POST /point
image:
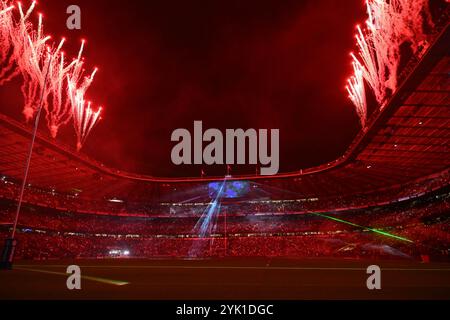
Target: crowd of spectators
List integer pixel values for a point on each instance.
(408, 212)
(49, 233)
(356, 244)
(77, 203)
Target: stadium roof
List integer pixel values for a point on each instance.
(406, 140)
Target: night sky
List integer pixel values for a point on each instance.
(232, 64)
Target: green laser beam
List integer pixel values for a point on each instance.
(384, 233)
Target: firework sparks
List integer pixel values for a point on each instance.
(25, 50)
(389, 25)
(357, 93)
(68, 87)
(7, 67)
(58, 103)
(84, 118)
(32, 56)
(58, 111)
(83, 115)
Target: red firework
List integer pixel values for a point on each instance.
(26, 51)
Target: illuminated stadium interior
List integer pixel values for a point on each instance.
(361, 204)
(387, 195)
(103, 185)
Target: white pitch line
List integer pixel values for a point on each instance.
(242, 268)
(96, 279)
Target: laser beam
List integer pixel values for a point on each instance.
(384, 233)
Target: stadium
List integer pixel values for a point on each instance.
(305, 234)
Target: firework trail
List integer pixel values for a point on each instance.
(59, 103)
(32, 55)
(24, 50)
(58, 110)
(357, 92)
(389, 25)
(68, 87)
(84, 118)
(7, 67)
